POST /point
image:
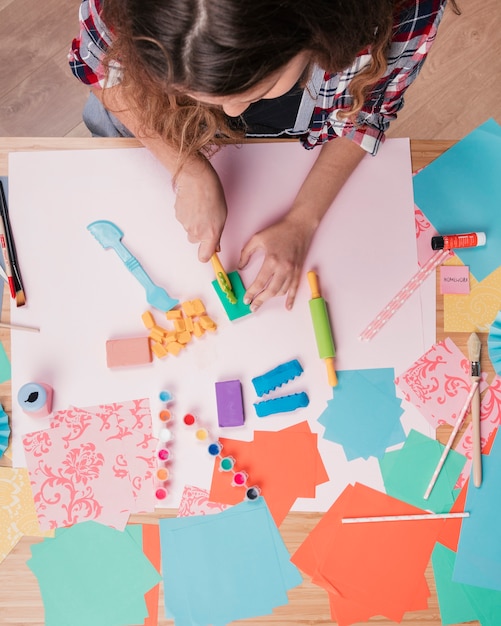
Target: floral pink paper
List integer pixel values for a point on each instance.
(93, 464)
(424, 232)
(195, 501)
(438, 383)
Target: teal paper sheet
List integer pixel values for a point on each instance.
(460, 192)
(92, 574)
(455, 606)
(224, 567)
(4, 365)
(462, 603)
(407, 473)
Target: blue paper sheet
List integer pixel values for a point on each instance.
(478, 560)
(462, 603)
(460, 192)
(219, 568)
(364, 413)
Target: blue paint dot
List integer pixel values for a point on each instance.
(165, 396)
(215, 448)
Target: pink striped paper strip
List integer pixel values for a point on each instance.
(402, 296)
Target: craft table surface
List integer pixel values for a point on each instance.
(20, 601)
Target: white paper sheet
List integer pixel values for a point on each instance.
(81, 295)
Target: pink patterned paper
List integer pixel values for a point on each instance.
(424, 232)
(92, 464)
(195, 501)
(490, 419)
(438, 383)
(135, 431)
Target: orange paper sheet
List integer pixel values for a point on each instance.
(372, 568)
(284, 464)
(151, 548)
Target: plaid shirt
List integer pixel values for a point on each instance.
(414, 32)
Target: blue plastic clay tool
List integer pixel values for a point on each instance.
(109, 236)
(276, 377)
(283, 404)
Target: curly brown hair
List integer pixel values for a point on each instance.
(167, 48)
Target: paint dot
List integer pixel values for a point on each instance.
(215, 448)
(165, 435)
(253, 493)
(162, 474)
(164, 415)
(189, 419)
(240, 479)
(202, 434)
(163, 454)
(165, 396)
(227, 464)
(161, 494)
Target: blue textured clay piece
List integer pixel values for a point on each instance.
(277, 377)
(284, 404)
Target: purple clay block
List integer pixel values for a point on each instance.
(230, 409)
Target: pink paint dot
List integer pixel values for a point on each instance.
(163, 454)
(161, 494)
(240, 478)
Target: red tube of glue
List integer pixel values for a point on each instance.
(466, 240)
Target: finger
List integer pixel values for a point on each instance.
(291, 294)
(206, 249)
(276, 285)
(256, 288)
(247, 251)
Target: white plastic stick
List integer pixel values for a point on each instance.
(452, 436)
(401, 297)
(406, 518)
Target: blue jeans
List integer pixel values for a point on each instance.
(101, 122)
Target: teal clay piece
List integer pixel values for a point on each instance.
(233, 311)
(284, 404)
(277, 377)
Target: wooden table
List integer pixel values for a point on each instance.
(20, 601)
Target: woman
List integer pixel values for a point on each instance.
(184, 76)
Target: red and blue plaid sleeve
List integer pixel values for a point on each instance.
(413, 35)
(88, 49)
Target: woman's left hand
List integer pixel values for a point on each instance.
(285, 245)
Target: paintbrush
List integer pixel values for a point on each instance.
(474, 346)
(9, 252)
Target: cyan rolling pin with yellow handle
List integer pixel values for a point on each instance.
(322, 328)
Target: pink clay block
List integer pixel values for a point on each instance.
(128, 352)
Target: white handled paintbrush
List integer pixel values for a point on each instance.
(474, 346)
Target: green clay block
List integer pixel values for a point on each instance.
(233, 311)
(322, 327)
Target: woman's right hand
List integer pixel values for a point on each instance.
(201, 206)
